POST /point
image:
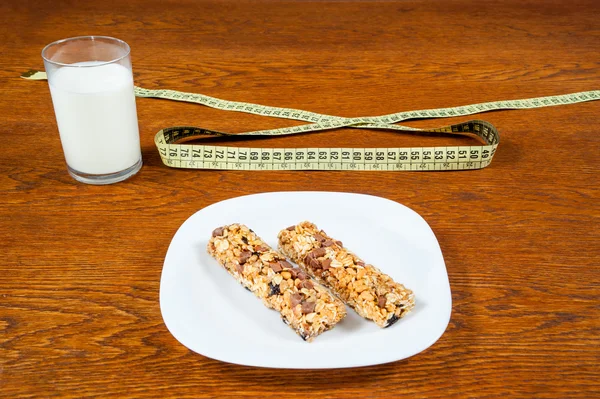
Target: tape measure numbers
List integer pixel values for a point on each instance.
(387, 159)
(196, 156)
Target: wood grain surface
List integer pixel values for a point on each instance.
(81, 264)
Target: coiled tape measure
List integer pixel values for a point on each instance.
(196, 156)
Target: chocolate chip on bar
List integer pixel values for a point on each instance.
(295, 299)
(218, 232)
(276, 266)
(318, 252)
(244, 256)
(319, 238)
(306, 284)
(302, 275)
(308, 307)
(261, 248)
(381, 301)
(313, 262)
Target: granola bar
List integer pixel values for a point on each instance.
(372, 293)
(305, 305)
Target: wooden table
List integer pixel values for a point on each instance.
(79, 279)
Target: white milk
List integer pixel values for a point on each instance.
(96, 116)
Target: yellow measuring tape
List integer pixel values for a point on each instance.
(197, 156)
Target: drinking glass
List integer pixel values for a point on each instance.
(92, 90)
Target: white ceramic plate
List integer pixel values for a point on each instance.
(212, 314)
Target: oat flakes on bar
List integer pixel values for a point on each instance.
(305, 305)
(370, 292)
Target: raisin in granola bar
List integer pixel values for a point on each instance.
(306, 306)
(373, 294)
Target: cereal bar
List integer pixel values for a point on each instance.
(373, 294)
(306, 306)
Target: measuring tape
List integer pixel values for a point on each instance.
(196, 156)
(242, 158)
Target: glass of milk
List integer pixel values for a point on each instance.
(91, 84)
